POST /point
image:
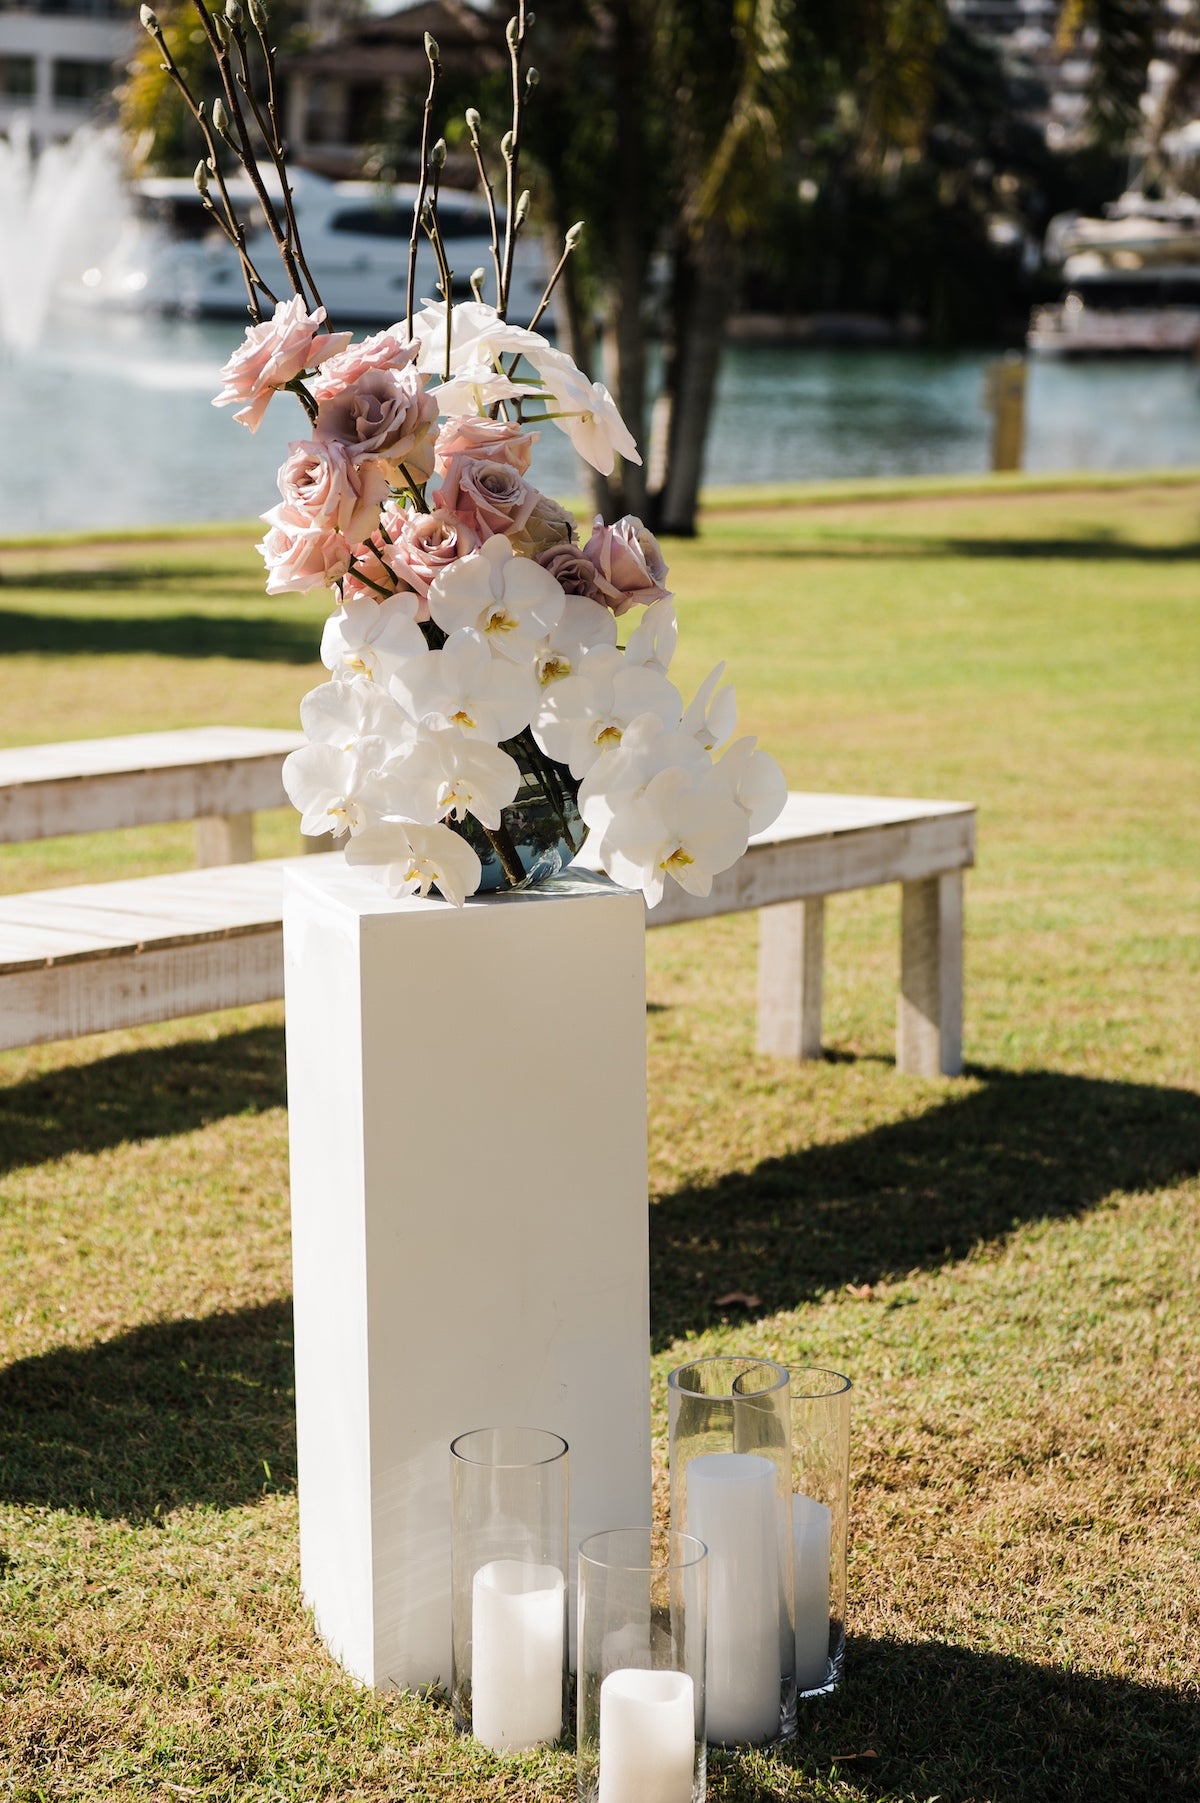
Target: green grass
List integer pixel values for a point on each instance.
(1008, 1264)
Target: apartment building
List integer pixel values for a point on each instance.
(60, 61)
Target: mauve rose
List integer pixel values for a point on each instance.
(300, 556)
(330, 488)
(386, 350)
(549, 524)
(629, 564)
(499, 440)
(273, 354)
(425, 544)
(572, 571)
(491, 497)
(387, 414)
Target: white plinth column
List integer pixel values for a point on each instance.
(468, 1152)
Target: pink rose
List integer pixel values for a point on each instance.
(386, 350)
(574, 573)
(491, 497)
(498, 440)
(300, 556)
(325, 484)
(425, 544)
(387, 414)
(273, 354)
(629, 564)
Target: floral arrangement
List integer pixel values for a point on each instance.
(480, 716)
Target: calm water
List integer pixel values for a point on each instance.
(110, 424)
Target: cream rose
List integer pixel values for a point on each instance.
(273, 354)
(387, 415)
(629, 564)
(492, 497)
(329, 487)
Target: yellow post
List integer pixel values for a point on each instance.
(1006, 399)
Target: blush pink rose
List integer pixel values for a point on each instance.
(498, 440)
(387, 415)
(628, 562)
(385, 350)
(273, 354)
(492, 497)
(574, 573)
(300, 556)
(331, 488)
(425, 544)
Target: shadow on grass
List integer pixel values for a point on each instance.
(947, 1722)
(256, 637)
(921, 1192)
(1101, 548)
(178, 1413)
(144, 1094)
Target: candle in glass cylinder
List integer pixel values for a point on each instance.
(647, 1737)
(517, 1654)
(732, 1507)
(811, 1526)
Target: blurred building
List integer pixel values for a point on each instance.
(60, 61)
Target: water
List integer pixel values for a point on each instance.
(108, 422)
(60, 210)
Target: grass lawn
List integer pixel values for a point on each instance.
(1008, 1265)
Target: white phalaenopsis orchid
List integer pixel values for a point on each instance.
(652, 641)
(372, 638)
(337, 790)
(585, 715)
(755, 782)
(463, 685)
(348, 709)
(475, 387)
(712, 715)
(477, 335)
(511, 600)
(584, 625)
(683, 824)
(584, 410)
(413, 859)
(446, 775)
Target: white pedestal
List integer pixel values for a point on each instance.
(469, 1217)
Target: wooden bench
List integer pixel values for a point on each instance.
(218, 776)
(87, 959)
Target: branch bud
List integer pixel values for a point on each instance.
(431, 49)
(473, 123)
(233, 12)
(223, 29)
(437, 156)
(522, 208)
(506, 146)
(478, 277)
(258, 15)
(574, 235)
(201, 179)
(220, 117)
(512, 32)
(531, 80)
(149, 20)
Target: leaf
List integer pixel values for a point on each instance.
(862, 1292)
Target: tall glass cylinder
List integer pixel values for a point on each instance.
(820, 1523)
(642, 1625)
(508, 1569)
(731, 1487)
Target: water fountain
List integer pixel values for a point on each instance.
(62, 209)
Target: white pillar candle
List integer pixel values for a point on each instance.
(647, 1737)
(732, 1507)
(516, 1654)
(812, 1525)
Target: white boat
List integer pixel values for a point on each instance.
(1132, 281)
(171, 258)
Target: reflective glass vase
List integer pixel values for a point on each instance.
(540, 831)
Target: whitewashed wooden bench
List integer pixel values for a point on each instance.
(218, 776)
(87, 959)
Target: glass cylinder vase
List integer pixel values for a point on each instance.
(540, 831)
(508, 1570)
(820, 1523)
(731, 1486)
(642, 1625)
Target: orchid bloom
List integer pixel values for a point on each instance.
(755, 782)
(585, 715)
(712, 715)
(652, 642)
(584, 410)
(336, 790)
(684, 825)
(411, 859)
(445, 774)
(372, 638)
(463, 685)
(343, 711)
(511, 600)
(477, 335)
(475, 387)
(584, 624)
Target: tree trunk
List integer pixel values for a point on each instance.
(626, 340)
(703, 284)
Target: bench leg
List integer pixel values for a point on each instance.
(791, 955)
(224, 839)
(929, 1020)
